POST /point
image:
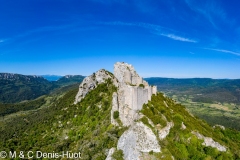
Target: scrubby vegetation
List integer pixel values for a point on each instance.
(181, 143)
(16, 88)
(214, 100)
(6, 109)
(19, 87)
(115, 114)
(84, 127)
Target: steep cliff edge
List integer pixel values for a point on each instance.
(91, 82)
(160, 128)
(132, 93)
(157, 127)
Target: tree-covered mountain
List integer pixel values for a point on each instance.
(101, 121)
(215, 100)
(16, 87)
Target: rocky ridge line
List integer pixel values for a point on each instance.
(132, 93)
(91, 82)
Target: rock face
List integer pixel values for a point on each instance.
(90, 82)
(165, 131)
(132, 93)
(110, 152)
(210, 142)
(220, 126)
(114, 107)
(138, 138)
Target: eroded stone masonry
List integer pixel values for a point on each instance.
(132, 93)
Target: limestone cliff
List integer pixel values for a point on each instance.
(148, 124)
(90, 82)
(132, 93)
(138, 139)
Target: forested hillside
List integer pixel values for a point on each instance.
(86, 127)
(215, 100)
(66, 127)
(16, 88)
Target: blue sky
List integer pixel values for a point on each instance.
(187, 38)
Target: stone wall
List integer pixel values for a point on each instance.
(154, 89)
(131, 96)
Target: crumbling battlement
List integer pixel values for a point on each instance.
(132, 93)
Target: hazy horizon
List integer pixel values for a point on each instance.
(140, 75)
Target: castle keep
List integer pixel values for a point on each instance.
(132, 93)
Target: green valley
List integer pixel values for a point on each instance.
(214, 100)
(90, 119)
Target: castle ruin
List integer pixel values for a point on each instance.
(132, 93)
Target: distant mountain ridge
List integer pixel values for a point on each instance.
(14, 76)
(52, 77)
(204, 89)
(70, 79)
(17, 87)
(105, 118)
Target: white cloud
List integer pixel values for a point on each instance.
(178, 38)
(156, 29)
(224, 51)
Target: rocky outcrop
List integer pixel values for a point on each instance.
(132, 93)
(183, 126)
(137, 139)
(91, 82)
(162, 133)
(210, 142)
(114, 108)
(110, 152)
(219, 126)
